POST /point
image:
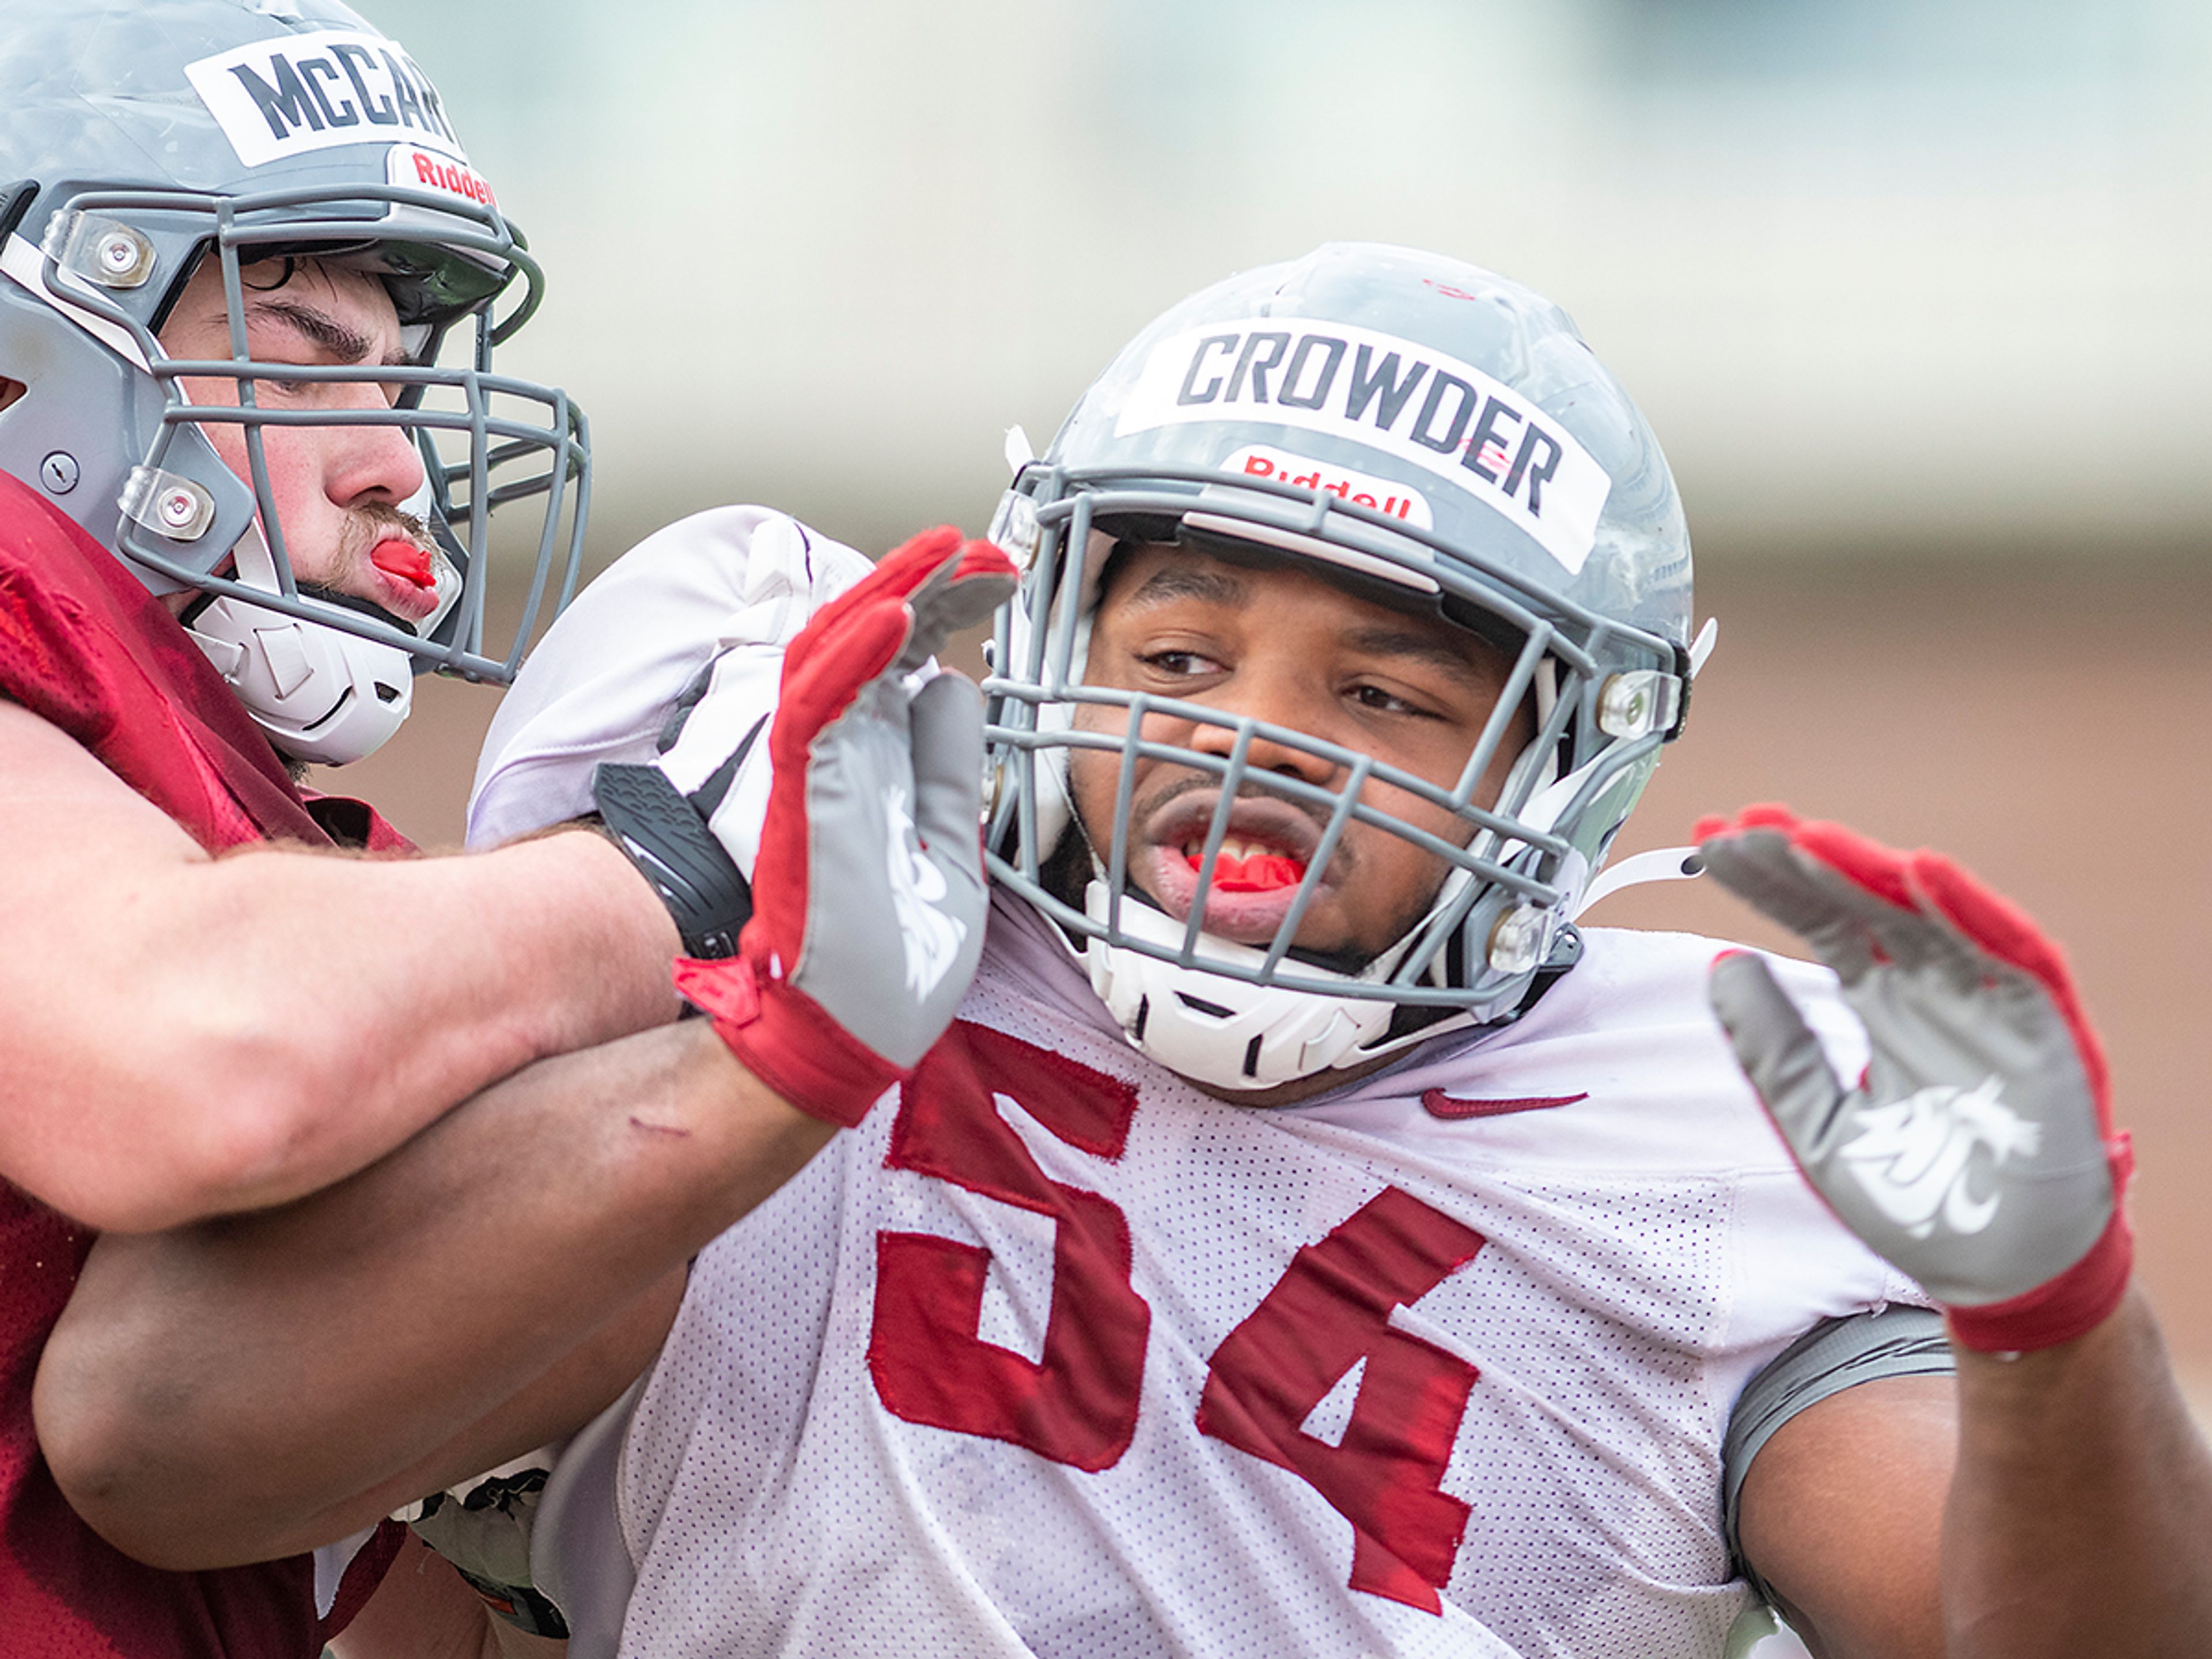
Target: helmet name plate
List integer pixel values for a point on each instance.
(277, 99)
(1408, 400)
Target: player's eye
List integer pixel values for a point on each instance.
(1180, 665)
(1386, 702)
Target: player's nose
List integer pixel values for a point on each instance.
(366, 465)
(1284, 712)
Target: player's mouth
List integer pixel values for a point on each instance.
(404, 576)
(1257, 873)
(1245, 867)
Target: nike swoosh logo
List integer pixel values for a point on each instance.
(1453, 1109)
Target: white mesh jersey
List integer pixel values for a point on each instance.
(1057, 1356)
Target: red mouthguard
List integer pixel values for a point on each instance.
(1263, 872)
(403, 560)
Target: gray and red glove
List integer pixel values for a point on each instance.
(867, 898)
(1977, 1153)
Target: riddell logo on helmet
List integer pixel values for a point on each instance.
(1393, 499)
(410, 166)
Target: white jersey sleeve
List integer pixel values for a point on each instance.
(1055, 1356)
(600, 687)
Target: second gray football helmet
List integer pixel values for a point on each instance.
(1394, 419)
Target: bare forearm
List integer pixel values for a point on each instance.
(273, 1021)
(433, 979)
(224, 1391)
(2082, 1506)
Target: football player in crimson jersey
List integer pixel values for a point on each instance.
(1307, 1239)
(243, 488)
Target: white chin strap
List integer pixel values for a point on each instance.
(1215, 1030)
(322, 695)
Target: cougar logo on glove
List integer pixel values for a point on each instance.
(1911, 1156)
(932, 939)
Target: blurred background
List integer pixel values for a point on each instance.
(1914, 291)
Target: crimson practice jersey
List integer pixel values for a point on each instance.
(1057, 1356)
(84, 646)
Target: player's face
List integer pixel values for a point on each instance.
(1277, 644)
(336, 488)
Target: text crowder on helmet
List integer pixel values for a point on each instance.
(140, 141)
(1443, 435)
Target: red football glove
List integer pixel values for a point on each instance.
(868, 895)
(1977, 1153)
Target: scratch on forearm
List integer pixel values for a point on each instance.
(659, 1128)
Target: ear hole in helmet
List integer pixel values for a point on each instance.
(15, 201)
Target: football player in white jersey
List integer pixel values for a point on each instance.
(1306, 1241)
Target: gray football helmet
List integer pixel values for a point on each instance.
(1419, 429)
(140, 139)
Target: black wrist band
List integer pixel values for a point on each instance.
(663, 836)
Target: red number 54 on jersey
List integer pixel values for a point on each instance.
(1077, 1403)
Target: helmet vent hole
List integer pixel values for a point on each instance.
(1201, 1005)
(386, 693)
(1144, 1014)
(1252, 1053)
